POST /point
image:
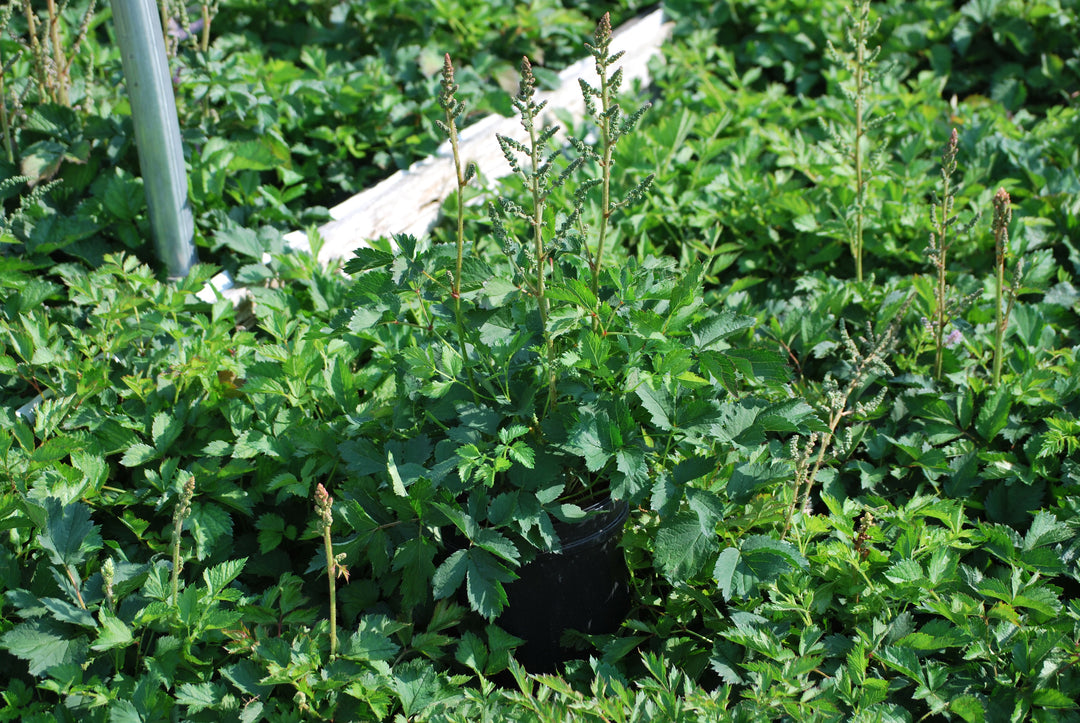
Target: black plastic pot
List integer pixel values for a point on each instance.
(585, 587)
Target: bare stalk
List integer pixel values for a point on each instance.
(324, 506)
(183, 509)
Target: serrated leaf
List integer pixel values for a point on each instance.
(724, 571)
(902, 660)
(415, 560)
(55, 449)
(112, 633)
(371, 641)
(905, 572)
(450, 574)
(199, 696)
(659, 405)
(419, 687)
(994, 414)
(471, 652)
(271, 529)
(749, 478)
(1052, 698)
(1045, 529)
(681, 549)
(719, 326)
(366, 258)
(211, 525)
(138, 454)
(65, 612)
(69, 535)
(43, 644)
(124, 711)
(164, 431)
(484, 583)
(496, 544)
(708, 508)
(219, 576)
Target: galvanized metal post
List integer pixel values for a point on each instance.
(157, 132)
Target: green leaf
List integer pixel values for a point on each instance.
(199, 696)
(484, 583)
(719, 326)
(69, 535)
(218, 577)
(1052, 698)
(724, 571)
(1045, 529)
(55, 449)
(419, 687)
(65, 612)
(681, 549)
(768, 558)
(450, 574)
(43, 644)
(124, 711)
(659, 405)
(969, 708)
(366, 258)
(708, 508)
(905, 571)
(164, 431)
(138, 454)
(471, 652)
(994, 414)
(902, 660)
(496, 544)
(372, 641)
(271, 529)
(113, 633)
(749, 478)
(414, 559)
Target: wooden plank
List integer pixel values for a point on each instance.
(409, 201)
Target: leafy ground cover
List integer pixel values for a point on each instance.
(900, 545)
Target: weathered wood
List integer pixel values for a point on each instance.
(409, 201)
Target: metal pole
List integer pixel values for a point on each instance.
(157, 132)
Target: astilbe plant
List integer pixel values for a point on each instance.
(569, 233)
(947, 304)
(452, 110)
(854, 146)
(324, 508)
(868, 358)
(1002, 311)
(51, 56)
(607, 115)
(180, 513)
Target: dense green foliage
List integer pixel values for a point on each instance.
(874, 531)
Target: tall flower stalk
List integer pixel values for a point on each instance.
(539, 184)
(601, 105)
(858, 58)
(942, 220)
(183, 509)
(1000, 228)
(324, 507)
(452, 109)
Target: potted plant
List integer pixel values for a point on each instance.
(535, 390)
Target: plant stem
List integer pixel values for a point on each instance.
(860, 184)
(603, 37)
(204, 45)
(942, 218)
(1000, 226)
(183, 509)
(452, 109)
(541, 265)
(324, 506)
